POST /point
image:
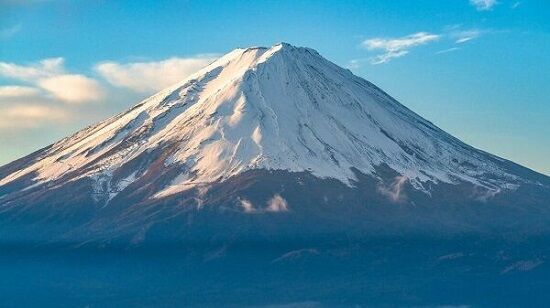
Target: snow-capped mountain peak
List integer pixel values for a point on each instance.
(278, 108)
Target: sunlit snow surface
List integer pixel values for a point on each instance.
(274, 108)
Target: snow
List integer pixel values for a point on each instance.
(282, 107)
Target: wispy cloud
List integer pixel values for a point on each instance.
(483, 5)
(466, 35)
(17, 92)
(277, 204)
(247, 206)
(401, 46)
(51, 76)
(152, 76)
(397, 47)
(447, 50)
(394, 191)
(356, 63)
(9, 32)
(34, 71)
(274, 205)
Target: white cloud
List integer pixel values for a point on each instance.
(467, 35)
(395, 191)
(7, 33)
(383, 58)
(397, 47)
(18, 92)
(274, 205)
(32, 72)
(277, 204)
(51, 76)
(29, 116)
(72, 88)
(483, 5)
(247, 206)
(447, 50)
(152, 76)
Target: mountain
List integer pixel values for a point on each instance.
(272, 177)
(265, 143)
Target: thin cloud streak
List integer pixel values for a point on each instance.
(466, 35)
(397, 47)
(447, 50)
(401, 46)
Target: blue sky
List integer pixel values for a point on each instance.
(479, 69)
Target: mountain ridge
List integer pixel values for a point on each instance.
(263, 132)
(160, 112)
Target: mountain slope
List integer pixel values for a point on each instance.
(256, 116)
